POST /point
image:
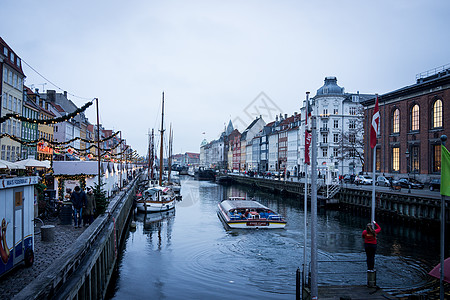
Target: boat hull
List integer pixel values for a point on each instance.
(249, 223)
(154, 206)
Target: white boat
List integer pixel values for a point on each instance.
(156, 199)
(239, 213)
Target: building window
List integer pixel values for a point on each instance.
(336, 111)
(3, 152)
(352, 110)
(5, 51)
(415, 159)
(396, 121)
(324, 152)
(325, 138)
(352, 138)
(396, 159)
(325, 111)
(352, 124)
(336, 123)
(436, 163)
(8, 153)
(378, 161)
(5, 100)
(437, 114)
(415, 118)
(10, 102)
(336, 137)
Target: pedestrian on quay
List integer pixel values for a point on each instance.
(370, 244)
(90, 207)
(78, 199)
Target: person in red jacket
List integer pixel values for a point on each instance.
(370, 244)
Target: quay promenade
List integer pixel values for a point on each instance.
(45, 253)
(79, 263)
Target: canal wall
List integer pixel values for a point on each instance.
(410, 207)
(84, 270)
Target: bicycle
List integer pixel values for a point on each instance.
(38, 223)
(49, 210)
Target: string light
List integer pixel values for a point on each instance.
(47, 121)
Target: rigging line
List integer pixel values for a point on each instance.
(73, 95)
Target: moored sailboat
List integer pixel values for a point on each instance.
(157, 197)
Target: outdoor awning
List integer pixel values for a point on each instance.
(10, 165)
(33, 163)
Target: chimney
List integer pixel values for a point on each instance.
(276, 118)
(285, 116)
(65, 94)
(295, 113)
(36, 91)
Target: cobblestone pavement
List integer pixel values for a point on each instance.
(44, 254)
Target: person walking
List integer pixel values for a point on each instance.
(78, 199)
(90, 207)
(370, 244)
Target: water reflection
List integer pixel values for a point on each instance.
(188, 254)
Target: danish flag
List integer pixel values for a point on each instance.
(374, 129)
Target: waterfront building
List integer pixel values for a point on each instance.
(412, 120)
(292, 129)
(234, 150)
(246, 136)
(65, 131)
(45, 131)
(249, 156)
(29, 129)
(11, 91)
(80, 121)
(256, 152)
(273, 152)
(339, 129)
(215, 152)
(202, 153)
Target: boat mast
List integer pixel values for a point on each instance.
(152, 156)
(161, 159)
(149, 154)
(170, 153)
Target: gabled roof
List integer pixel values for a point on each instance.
(7, 60)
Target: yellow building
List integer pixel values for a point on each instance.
(12, 77)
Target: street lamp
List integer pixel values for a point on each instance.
(407, 169)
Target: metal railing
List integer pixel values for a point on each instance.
(432, 72)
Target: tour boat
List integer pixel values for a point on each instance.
(156, 199)
(239, 213)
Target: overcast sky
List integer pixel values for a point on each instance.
(214, 58)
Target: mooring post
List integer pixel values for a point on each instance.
(372, 278)
(297, 284)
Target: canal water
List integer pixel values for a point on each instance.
(188, 254)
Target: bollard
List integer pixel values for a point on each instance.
(48, 233)
(372, 278)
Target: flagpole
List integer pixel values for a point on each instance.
(314, 275)
(373, 183)
(441, 279)
(305, 206)
(374, 129)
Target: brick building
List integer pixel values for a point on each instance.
(412, 120)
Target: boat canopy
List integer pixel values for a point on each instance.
(239, 204)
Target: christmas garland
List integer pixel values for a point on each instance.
(36, 141)
(62, 178)
(47, 121)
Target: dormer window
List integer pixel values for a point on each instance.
(18, 62)
(12, 57)
(5, 51)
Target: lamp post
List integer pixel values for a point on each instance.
(407, 169)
